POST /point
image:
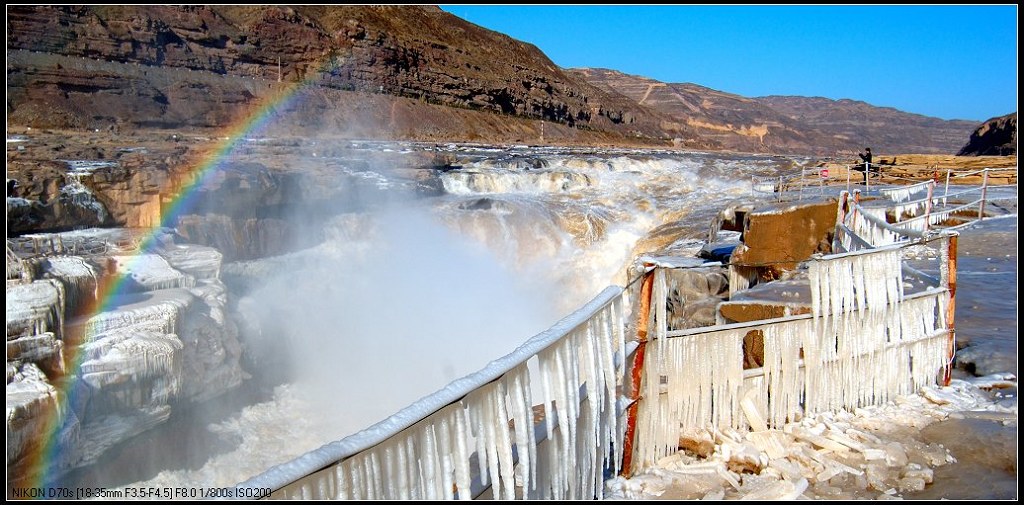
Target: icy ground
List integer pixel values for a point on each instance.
(876, 452)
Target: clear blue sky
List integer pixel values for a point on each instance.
(946, 61)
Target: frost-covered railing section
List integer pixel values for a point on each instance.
(984, 197)
(864, 342)
(918, 208)
(478, 433)
(84, 243)
(862, 227)
(782, 186)
(868, 343)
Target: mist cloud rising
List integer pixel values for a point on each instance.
(373, 323)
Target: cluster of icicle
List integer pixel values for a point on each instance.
(863, 222)
(905, 193)
(910, 214)
(164, 316)
(868, 344)
(79, 194)
(690, 381)
(133, 354)
(80, 278)
(864, 345)
(909, 209)
(488, 438)
(923, 223)
(35, 308)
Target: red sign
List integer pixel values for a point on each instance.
(824, 172)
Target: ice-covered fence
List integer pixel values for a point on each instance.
(966, 205)
(863, 227)
(479, 432)
(864, 342)
(777, 185)
(984, 197)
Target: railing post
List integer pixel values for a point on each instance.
(636, 374)
(840, 219)
(928, 206)
(949, 172)
(800, 195)
(853, 211)
(950, 282)
(867, 177)
(984, 193)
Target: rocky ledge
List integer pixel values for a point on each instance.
(94, 379)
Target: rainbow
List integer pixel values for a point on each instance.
(41, 462)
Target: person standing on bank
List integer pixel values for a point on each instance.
(866, 166)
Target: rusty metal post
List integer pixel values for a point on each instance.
(984, 193)
(636, 374)
(951, 246)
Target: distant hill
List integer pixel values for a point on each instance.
(786, 124)
(884, 129)
(736, 122)
(995, 137)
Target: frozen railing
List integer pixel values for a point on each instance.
(780, 185)
(16, 268)
(861, 226)
(78, 244)
(863, 343)
(478, 433)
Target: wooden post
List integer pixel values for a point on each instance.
(636, 374)
(951, 306)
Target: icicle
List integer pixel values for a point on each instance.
(463, 477)
(446, 452)
(402, 463)
(503, 443)
(783, 376)
(562, 410)
(523, 423)
(427, 456)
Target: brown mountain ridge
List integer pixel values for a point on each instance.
(394, 72)
(787, 124)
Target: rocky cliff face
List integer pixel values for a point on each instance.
(786, 124)
(995, 137)
(173, 66)
(93, 380)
